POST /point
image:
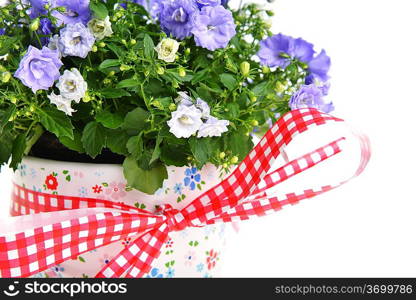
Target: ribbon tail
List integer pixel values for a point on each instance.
(43, 240)
(261, 203)
(137, 259)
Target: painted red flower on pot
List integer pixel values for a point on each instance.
(51, 182)
(212, 259)
(97, 189)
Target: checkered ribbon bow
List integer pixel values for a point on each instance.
(49, 229)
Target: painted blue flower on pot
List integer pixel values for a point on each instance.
(154, 273)
(192, 178)
(170, 273)
(178, 188)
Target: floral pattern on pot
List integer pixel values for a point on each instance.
(193, 252)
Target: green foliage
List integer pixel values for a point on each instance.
(93, 138)
(131, 91)
(147, 181)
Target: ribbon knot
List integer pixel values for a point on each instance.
(174, 218)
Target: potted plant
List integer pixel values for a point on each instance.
(144, 103)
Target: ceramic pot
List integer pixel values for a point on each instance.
(193, 252)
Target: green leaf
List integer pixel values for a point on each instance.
(18, 150)
(261, 88)
(135, 146)
(74, 144)
(108, 63)
(201, 149)
(109, 120)
(146, 181)
(239, 143)
(112, 93)
(116, 50)
(117, 140)
(93, 138)
(135, 121)
(127, 83)
(56, 122)
(229, 81)
(156, 151)
(99, 9)
(6, 145)
(5, 117)
(174, 155)
(7, 43)
(148, 47)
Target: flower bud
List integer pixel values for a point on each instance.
(222, 155)
(280, 87)
(266, 69)
(112, 73)
(182, 72)
(133, 42)
(253, 98)
(245, 68)
(94, 48)
(34, 25)
(5, 77)
(172, 107)
(254, 123)
(124, 68)
(187, 51)
(234, 159)
(225, 165)
(101, 44)
(160, 70)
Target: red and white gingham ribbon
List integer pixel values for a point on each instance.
(49, 229)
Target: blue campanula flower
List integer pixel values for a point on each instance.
(76, 40)
(214, 27)
(319, 66)
(77, 11)
(39, 69)
(202, 3)
(277, 50)
(310, 96)
(177, 17)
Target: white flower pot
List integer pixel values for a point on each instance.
(194, 252)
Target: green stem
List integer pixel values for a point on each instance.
(37, 132)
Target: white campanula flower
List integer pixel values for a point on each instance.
(54, 44)
(72, 85)
(100, 28)
(62, 103)
(203, 107)
(185, 121)
(213, 127)
(191, 117)
(76, 40)
(184, 99)
(166, 50)
(3, 3)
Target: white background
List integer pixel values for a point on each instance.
(366, 228)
